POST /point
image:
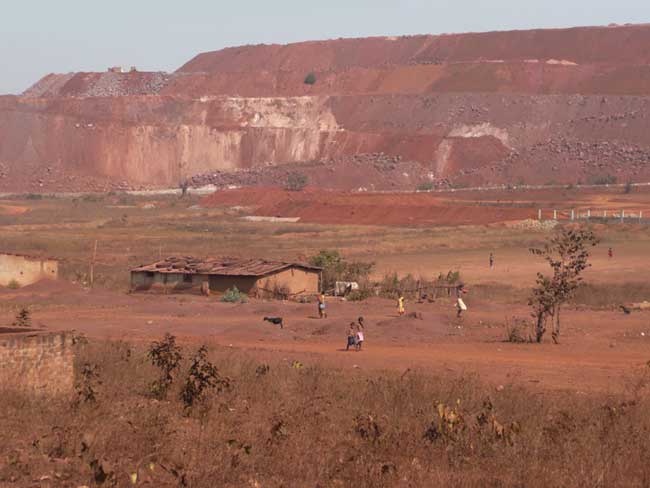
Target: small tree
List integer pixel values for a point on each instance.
(296, 181)
(567, 253)
(310, 79)
(184, 185)
(166, 356)
(23, 318)
(202, 376)
(87, 385)
(335, 268)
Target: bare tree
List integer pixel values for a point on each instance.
(184, 185)
(567, 253)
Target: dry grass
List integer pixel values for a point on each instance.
(611, 295)
(133, 230)
(279, 425)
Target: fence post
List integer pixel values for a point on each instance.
(622, 215)
(604, 214)
(539, 214)
(554, 214)
(588, 213)
(640, 215)
(572, 214)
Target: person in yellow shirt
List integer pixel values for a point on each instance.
(400, 305)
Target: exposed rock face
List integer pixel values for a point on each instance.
(532, 106)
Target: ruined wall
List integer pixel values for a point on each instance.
(39, 362)
(26, 270)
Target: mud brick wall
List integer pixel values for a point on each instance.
(37, 362)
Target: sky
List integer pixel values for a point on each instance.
(38, 37)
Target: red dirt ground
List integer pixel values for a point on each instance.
(462, 208)
(592, 357)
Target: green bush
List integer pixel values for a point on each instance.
(233, 295)
(13, 285)
(33, 196)
(425, 186)
(359, 295)
(310, 79)
(604, 180)
(296, 181)
(335, 268)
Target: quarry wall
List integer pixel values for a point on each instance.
(497, 107)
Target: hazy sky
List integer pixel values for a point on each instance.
(44, 36)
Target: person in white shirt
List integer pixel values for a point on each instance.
(359, 338)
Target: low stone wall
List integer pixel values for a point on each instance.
(37, 362)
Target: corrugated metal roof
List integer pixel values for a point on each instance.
(221, 266)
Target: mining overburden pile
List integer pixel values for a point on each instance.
(535, 107)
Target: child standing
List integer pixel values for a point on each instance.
(400, 305)
(351, 337)
(359, 338)
(321, 306)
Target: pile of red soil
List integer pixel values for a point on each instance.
(332, 207)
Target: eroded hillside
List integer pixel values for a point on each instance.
(526, 106)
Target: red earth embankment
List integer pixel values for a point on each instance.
(579, 45)
(331, 207)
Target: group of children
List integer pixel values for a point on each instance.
(355, 335)
(460, 290)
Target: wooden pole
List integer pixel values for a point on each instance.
(92, 265)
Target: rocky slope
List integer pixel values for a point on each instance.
(525, 106)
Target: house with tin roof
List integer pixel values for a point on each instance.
(255, 277)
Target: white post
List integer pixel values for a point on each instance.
(572, 214)
(554, 214)
(539, 214)
(588, 214)
(622, 215)
(604, 214)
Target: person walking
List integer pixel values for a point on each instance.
(610, 253)
(460, 304)
(321, 306)
(491, 261)
(400, 305)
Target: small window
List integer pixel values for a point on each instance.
(187, 278)
(149, 274)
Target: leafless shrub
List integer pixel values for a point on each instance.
(202, 377)
(88, 383)
(166, 356)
